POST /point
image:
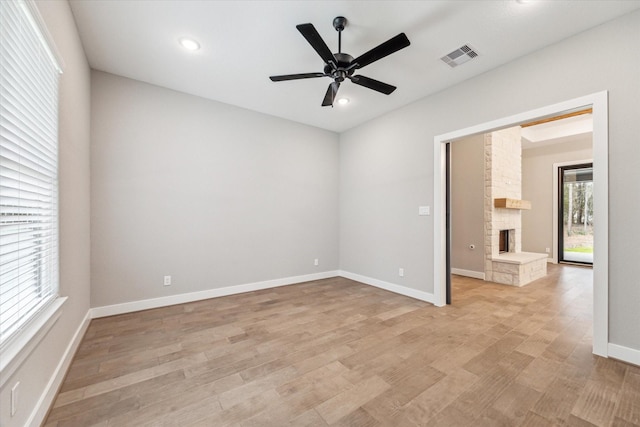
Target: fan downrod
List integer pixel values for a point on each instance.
(341, 72)
(339, 22)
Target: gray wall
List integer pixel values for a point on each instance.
(467, 203)
(37, 370)
(537, 187)
(387, 164)
(210, 194)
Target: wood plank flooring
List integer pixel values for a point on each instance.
(336, 352)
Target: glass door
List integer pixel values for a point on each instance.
(575, 216)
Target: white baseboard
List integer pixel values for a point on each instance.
(392, 287)
(468, 273)
(129, 307)
(625, 354)
(46, 399)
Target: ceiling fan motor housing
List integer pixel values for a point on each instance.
(342, 71)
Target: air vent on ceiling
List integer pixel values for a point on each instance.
(459, 56)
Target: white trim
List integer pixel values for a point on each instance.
(128, 307)
(439, 222)
(45, 36)
(601, 223)
(391, 287)
(626, 354)
(468, 273)
(599, 103)
(16, 352)
(46, 399)
(556, 166)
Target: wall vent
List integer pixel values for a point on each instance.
(459, 56)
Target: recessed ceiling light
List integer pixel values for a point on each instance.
(343, 101)
(189, 44)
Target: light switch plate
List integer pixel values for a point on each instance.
(424, 210)
(14, 398)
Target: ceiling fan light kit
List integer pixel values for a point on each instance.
(341, 66)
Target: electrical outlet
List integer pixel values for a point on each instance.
(315, 262)
(14, 398)
(167, 280)
(548, 250)
(401, 272)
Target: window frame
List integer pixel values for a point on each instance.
(19, 344)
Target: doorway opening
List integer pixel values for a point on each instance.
(598, 102)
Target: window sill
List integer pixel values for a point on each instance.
(15, 352)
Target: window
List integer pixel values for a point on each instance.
(28, 170)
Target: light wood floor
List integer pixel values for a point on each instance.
(336, 352)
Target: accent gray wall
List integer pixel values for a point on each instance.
(537, 187)
(210, 194)
(467, 203)
(387, 164)
(38, 369)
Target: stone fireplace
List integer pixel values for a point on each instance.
(505, 262)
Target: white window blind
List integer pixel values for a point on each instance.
(28, 169)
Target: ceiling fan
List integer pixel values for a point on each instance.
(341, 66)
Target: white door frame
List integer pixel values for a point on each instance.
(556, 226)
(599, 102)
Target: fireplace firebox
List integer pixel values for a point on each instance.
(503, 246)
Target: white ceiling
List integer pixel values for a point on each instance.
(556, 131)
(244, 42)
